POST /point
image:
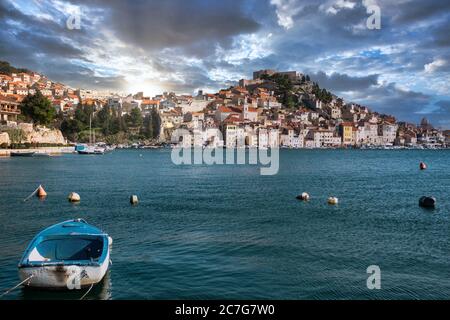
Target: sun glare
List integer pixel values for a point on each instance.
(149, 90)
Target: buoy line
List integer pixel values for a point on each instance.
(16, 286)
(84, 295)
(32, 194)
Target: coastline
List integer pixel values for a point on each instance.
(47, 150)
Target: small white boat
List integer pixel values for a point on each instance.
(68, 255)
(92, 150)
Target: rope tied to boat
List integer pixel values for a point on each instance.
(16, 286)
(84, 295)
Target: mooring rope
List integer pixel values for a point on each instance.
(84, 295)
(16, 286)
(34, 192)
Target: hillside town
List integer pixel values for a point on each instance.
(273, 109)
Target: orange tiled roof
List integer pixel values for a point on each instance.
(150, 102)
(224, 109)
(232, 118)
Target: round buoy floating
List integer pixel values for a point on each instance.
(422, 166)
(333, 200)
(304, 196)
(427, 202)
(134, 199)
(74, 197)
(41, 192)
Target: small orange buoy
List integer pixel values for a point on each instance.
(41, 192)
(422, 166)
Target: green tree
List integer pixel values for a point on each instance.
(136, 117)
(70, 128)
(147, 130)
(103, 120)
(16, 135)
(38, 109)
(84, 114)
(156, 122)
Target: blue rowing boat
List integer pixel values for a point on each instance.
(69, 255)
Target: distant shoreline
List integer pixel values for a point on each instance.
(45, 150)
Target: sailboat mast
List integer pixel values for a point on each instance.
(90, 129)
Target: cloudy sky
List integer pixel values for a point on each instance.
(153, 46)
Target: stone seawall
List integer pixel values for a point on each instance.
(48, 150)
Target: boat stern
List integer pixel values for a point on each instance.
(61, 277)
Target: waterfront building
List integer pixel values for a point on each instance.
(273, 140)
(213, 138)
(263, 138)
(290, 139)
(346, 130)
(323, 138)
(9, 109)
(234, 135)
(388, 133)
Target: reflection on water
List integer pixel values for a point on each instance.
(101, 291)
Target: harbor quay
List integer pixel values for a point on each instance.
(43, 150)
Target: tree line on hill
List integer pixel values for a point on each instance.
(286, 91)
(6, 68)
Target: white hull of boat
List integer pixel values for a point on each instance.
(64, 277)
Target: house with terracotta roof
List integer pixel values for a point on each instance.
(147, 105)
(171, 119)
(25, 77)
(21, 91)
(9, 109)
(249, 112)
(223, 112)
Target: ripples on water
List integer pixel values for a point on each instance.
(226, 232)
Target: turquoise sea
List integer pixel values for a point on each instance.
(226, 232)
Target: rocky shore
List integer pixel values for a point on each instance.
(26, 133)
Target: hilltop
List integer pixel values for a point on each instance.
(6, 68)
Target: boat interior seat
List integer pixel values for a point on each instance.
(67, 249)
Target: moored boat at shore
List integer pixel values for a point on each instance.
(22, 153)
(92, 150)
(69, 255)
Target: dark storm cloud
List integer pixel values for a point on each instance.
(82, 77)
(343, 82)
(441, 35)
(413, 11)
(390, 99)
(196, 25)
(28, 41)
(49, 45)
